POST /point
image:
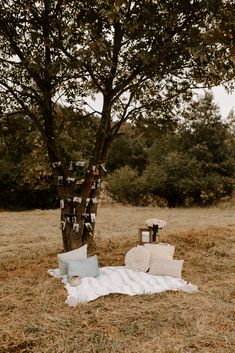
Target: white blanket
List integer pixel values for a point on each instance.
(121, 280)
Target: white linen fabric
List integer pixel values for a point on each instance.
(138, 259)
(120, 279)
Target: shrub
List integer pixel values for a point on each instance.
(174, 178)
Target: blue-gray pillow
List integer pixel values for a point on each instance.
(83, 267)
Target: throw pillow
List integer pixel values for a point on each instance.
(80, 253)
(137, 259)
(160, 251)
(83, 267)
(167, 267)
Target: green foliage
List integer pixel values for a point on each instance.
(25, 173)
(75, 134)
(23, 186)
(127, 149)
(182, 181)
(141, 69)
(173, 178)
(193, 165)
(124, 185)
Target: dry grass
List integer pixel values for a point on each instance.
(35, 319)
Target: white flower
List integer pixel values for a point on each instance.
(154, 221)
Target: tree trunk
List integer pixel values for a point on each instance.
(79, 186)
(79, 195)
(78, 203)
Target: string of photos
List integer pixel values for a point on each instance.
(75, 181)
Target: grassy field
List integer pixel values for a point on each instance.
(35, 319)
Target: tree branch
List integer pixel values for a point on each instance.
(34, 118)
(115, 128)
(10, 33)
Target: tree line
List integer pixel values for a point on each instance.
(188, 163)
(193, 163)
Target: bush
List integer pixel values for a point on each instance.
(173, 179)
(182, 181)
(178, 178)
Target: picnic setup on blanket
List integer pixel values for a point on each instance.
(149, 268)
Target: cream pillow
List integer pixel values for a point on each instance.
(166, 267)
(138, 259)
(160, 251)
(77, 254)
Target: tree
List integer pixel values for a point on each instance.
(204, 135)
(141, 56)
(123, 185)
(25, 172)
(231, 121)
(195, 164)
(208, 139)
(127, 149)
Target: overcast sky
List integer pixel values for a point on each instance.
(225, 101)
